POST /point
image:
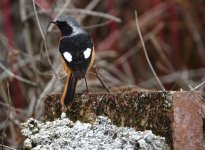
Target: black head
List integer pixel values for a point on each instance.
(67, 25)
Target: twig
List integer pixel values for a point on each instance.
(18, 110)
(117, 72)
(110, 77)
(83, 11)
(156, 44)
(16, 76)
(174, 76)
(26, 35)
(133, 50)
(42, 95)
(198, 86)
(195, 34)
(3, 93)
(86, 84)
(21, 63)
(67, 2)
(8, 147)
(9, 111)
(146, 55)
(90, 6)
(47, 88)
(43, 37)
(147, 19)
(93, 13)
(129, 72)
(100, 79)
(97, 25)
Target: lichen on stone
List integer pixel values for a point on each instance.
(63, 134)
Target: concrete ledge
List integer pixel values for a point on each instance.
(173, 115)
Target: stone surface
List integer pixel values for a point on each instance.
(187, 125)
(142, 110)
(173, 115)
(63, 134)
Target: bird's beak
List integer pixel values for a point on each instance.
(51, 21)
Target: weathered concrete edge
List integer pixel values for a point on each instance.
(143, 110)
(187, 126)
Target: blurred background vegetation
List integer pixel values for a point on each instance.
(30, 65)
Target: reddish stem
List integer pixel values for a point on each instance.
(174, 31)
(16, 93)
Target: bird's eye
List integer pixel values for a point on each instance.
(67, 56)
(87, 53)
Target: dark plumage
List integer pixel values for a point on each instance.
(77, 61)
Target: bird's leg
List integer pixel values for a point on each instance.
(100, 79)
(86, 85)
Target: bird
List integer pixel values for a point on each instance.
(77, 51)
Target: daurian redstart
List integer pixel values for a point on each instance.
(77, 51)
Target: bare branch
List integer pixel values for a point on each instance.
(174, 76)
(43, 37)
(47, 89)
(146, 55)
(93, 13)
(83, 11)
(90, 6)
(7, 118)
(195, 35)
(8, 147)
(16, 76)
(100, 79)
(198, 86)
(133, 50)
(59, 13)
(97, 25)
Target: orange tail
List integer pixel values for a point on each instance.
(69, 90)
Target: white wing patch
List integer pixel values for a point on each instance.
(67, 56)
(87, 53)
